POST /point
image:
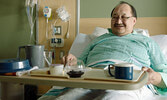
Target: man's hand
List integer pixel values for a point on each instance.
(68, 58)
(154, 77)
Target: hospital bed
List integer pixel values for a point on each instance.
(76, 49)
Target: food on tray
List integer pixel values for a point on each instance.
(75, 74)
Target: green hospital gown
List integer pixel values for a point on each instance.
(133, 48)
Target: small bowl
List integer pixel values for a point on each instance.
(75, 68)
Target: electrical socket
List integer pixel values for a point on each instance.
(57, 30)
(61, 54)
(57, 42)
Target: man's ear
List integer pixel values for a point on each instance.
(134, 20)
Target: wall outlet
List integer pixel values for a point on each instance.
(61, 54)
(57, 42)
(57, 30)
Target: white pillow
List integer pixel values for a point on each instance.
(161, 40)
(142, 31)
(80, 42)
(100, 31)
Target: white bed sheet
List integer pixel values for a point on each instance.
(88, 94)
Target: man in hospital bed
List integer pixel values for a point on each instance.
(125, 44)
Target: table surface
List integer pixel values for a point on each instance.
(76, 82)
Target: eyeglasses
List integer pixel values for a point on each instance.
(123, 18)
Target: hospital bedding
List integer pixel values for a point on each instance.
(86, 94)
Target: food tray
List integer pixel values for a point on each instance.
(93, 74)
(98, 74)
(44, 72)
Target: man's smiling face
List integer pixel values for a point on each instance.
(122, 21)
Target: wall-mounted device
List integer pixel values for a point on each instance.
(57, 30)
(57, 42)
(47, 11)
(63, 14)
(65, 17)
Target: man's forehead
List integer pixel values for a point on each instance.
(122, 8)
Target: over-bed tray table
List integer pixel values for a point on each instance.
(76, 82)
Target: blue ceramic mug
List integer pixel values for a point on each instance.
(122, 71)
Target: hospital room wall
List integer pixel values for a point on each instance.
(70, 7)
(152, 14)
(102, 8)
(14, 27)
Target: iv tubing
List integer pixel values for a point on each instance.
(30, 19)
(47, 39)
(46, 29)
(68, 34)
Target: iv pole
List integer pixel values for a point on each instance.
(37, 25)
(78, 16)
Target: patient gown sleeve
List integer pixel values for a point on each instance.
(158, 64)
(85, 53)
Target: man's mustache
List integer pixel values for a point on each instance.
(118, 25)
